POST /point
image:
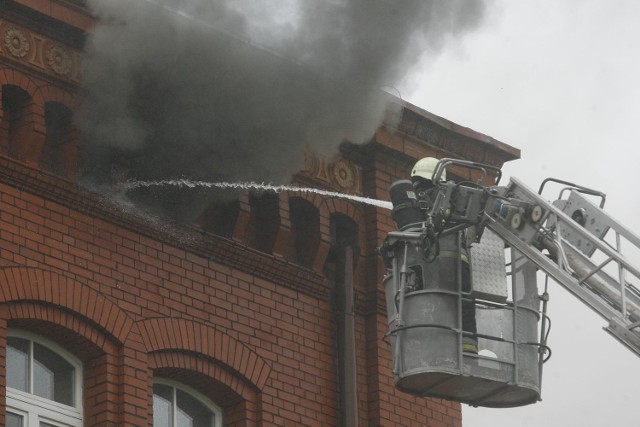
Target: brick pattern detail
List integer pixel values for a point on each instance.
(27, 141)
(31, 284)
(177, 334)
(38, 54)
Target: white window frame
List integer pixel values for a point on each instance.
(217, 410)
(35, 409)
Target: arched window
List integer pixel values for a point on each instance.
(59, 154)
(305, 230)
(15, 126)
(265, 221)
(44, 383)
(176, 405)
(220, 218)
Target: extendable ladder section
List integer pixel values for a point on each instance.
(566, 240)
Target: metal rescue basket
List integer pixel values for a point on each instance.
(424, 299)
(461, 327)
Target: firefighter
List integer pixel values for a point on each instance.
(451, 266)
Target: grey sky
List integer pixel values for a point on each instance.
(559, 80)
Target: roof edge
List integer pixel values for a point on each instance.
(511, 151)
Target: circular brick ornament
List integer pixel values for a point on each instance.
(59, 59)
(344, 174)
(16, 42)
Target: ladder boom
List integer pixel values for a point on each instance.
(572, 232)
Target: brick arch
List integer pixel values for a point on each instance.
(327, 205)
(18, 284)
(318, 202)
(87, 324)
(97, 351)
(351, 210)
(239, 400)
(50, 93)
(48, 320)
(335, 205)
(10, 76)
(313, 198)
(60, 153)
(169, 334)
(29, 129)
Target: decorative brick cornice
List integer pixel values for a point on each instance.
(338, 173)
(40, 53)
(445, 134)
(206, 245)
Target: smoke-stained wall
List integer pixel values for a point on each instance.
(234, 90)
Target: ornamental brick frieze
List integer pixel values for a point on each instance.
(338, 173)
(16, 43)
(37, 51)
(59, 59)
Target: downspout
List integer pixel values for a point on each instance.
(346, 336)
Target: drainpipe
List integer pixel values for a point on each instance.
(346, 336)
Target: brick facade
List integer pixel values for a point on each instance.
(240, 308)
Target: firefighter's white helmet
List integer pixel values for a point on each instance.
(425, 168)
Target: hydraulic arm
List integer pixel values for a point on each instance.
(572, 240)
(580, 246)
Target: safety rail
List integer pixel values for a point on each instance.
(427, 333)
(463, 336)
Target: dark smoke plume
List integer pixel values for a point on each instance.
(235, 89)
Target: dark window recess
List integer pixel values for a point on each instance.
(305, 227)
(344, 233)
(265, 221)
(14, 128)
(59, 153)
(220, 218)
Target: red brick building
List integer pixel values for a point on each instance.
(107, 319)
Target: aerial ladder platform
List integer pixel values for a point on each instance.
(512, 233)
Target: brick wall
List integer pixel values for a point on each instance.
(146, 306)
(132, 305)
(227, 306)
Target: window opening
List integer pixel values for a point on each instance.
(58, 154)
(43, 383)
(175, 405)
(14, 420)
(220, 218)
(14, 105)
(305, 225)
(265, 220)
